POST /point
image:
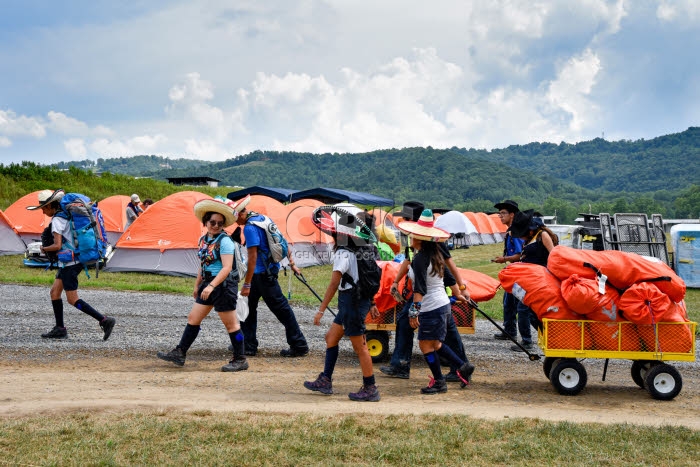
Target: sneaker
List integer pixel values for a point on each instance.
(465, 373)
(435, 386)
(107, 325)
(365, 394)
(291, 352)
(56, 333)
(530, 347)
(395, 372)
(177, 356)
(323, 384)
(452, 377)
(502, 336)
(235, 365)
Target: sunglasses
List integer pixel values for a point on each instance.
(503, 213)
(216, 223)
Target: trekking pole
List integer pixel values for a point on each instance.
(532, 356)
(302, 279)
(289, 284)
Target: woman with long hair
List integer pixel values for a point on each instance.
(431, 305)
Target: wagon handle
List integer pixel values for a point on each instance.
(302, 279)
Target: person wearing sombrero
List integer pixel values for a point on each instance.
(538, 242)
(214, 287)
(400, 364)
(431, 305)
(261, 282)
(350, 234)
(68, 273)
(512, 247)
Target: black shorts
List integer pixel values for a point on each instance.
(222, 298)
(69, 276)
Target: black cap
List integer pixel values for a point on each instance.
(411, 210)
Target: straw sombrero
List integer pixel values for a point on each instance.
(334, 221)
(212, 205)
(47, 197)
(239, 205)
(424, 229)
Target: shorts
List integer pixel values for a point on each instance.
(432, 325)
(69, 276)
(222, 298)
(352, 312)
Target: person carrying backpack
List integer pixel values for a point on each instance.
(355, 297)
(261, 282)
(216, 287)
(68, 272)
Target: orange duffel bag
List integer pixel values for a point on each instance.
(621, 268)
(583, 296)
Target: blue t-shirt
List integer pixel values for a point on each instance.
(225, 248)
(256, 237)
(512, 245)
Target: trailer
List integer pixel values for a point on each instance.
(648, 346)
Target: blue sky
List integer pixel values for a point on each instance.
(217, 79)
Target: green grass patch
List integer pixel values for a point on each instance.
(205, 438)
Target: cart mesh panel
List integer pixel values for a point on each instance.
(463, 314)
(625, 337)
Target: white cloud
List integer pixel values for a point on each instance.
(63, 124)
(683, 11)
(75, 147)
(573, 84)
(13, 125)
(146, 144)
(5, 142)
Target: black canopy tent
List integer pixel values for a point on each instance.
(280, 194)
(332, 196)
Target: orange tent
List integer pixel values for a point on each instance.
(28, 224)
(498, 225)
(492, 227)
(309, 245)
(10, 242)
(164, 239)
(114, 214)
(482, 225)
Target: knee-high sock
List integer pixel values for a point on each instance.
(188, 337)
(88, 310)
(58, 312)
(237, 343)
(434, 364)
(447, 352)
(331, 359)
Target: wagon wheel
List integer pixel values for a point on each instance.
(547, 365)
(569, 377)
(664, 382)
(378, 345)
(639, 371)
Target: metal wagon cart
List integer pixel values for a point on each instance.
(378, 329)
(648, 346)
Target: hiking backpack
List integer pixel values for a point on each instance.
(368, 271)
(87, 230)
(240, 265)
(275, 240)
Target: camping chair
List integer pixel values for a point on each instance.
(632, 234)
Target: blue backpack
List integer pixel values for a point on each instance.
(87, 228)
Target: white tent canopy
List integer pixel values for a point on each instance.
(458, 225)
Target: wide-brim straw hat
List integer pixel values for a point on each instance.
(334, 221)
(424, 229)
(211, 205)
(47, 197)
(239, 205)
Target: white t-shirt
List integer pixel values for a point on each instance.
(60, 226)
(345, 261)
(435, 296)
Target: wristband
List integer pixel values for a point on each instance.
(462, 287)
(413, 311)
(246, 285)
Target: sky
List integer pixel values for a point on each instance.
(217, 79)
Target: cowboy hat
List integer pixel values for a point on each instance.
(411, 210)
(212, 205)
(424, 229)
(47, 197)
(509, 205)
(524, 222)
(334, 221)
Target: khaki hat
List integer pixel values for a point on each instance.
(47, 197)
(135, 198)
(211, 205)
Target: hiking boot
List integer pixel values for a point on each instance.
(291, 352)
(177, 356)
(56, 333)
(240, 364)
(465, 373)
(365, 394)
(395, 371)
(435, 386)
(502, 336)
(530, 347)
(452, 377)
(107, 325)
(323, 384)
